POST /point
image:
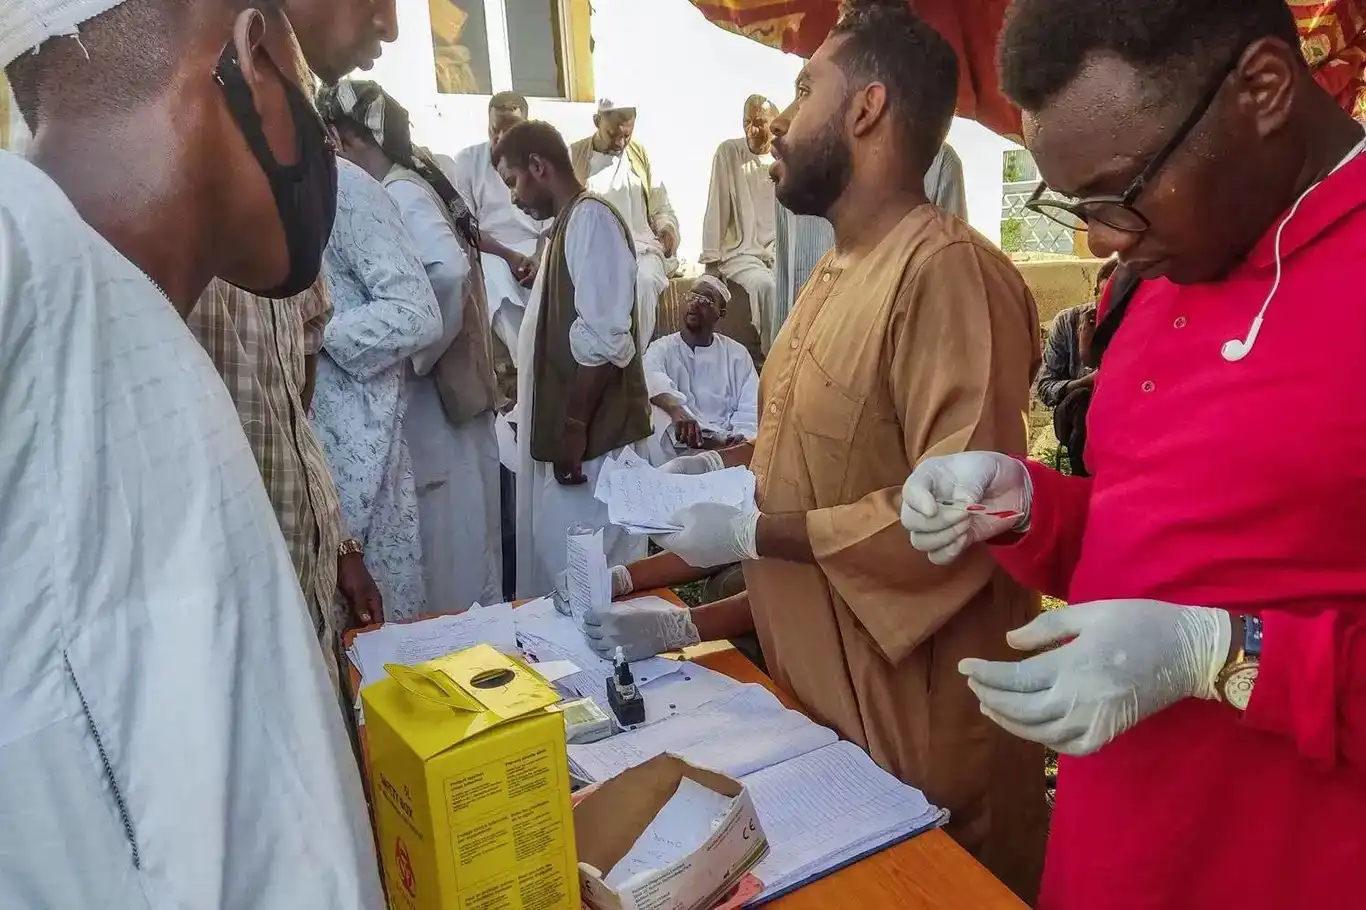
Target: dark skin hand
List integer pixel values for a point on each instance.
(723, 619)
(686, 429)
(589, 383)
(1086, 333)
(358, 591)
(523, 267)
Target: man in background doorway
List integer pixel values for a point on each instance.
(617, 168)
(582, 395)
(802, 240)
(737, 231)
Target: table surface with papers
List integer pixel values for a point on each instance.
(927, 872)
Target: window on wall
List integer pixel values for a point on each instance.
(540, 48)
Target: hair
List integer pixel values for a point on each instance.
(509, 101)
(1045, 43)
(761, 102)
(118, 61)
(884, 41)
(533, 137)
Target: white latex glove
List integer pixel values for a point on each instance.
(989, 482)
(622, 585)
(700, 463)
(1126, 660)
(713, 535)
(641, 628)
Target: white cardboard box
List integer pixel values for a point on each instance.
(611, 816)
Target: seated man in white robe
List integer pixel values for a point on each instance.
(508, 237)
(737, 232)
(582, 396)
(449, 422)
(703, 385)
(616, 167)
(168, 733)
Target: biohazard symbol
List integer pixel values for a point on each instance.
(404, 863)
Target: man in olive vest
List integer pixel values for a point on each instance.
(614, 165)
(581, 392)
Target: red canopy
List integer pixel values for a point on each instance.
(1333, 34)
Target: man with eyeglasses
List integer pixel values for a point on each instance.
(1192, 141)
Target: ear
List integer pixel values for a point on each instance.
(868, 106)
(248, 33)
(597, 120)
(535, 166)
(1267, 76)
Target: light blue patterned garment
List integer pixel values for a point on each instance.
(383, 311)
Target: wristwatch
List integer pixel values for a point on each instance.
(349, 547)
(1239, 676)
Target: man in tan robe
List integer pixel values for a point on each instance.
(737, 231)
(915, 337)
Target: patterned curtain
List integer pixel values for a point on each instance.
(1332, 32)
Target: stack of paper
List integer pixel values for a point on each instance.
(823, 803)
(643, 499)
(414, 643)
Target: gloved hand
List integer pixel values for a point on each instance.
(622, 584)
(700, 463)
(713, 535)
(1126, 660)
(641, 628)
(995, 488)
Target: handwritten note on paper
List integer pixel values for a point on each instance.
(643, 499)
(588, 578)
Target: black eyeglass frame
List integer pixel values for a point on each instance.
(1124, 202)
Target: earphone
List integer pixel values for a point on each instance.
(1235, 349)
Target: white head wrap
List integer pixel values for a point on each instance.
(713, 283)
(26, 24)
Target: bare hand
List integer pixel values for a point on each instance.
(523, 269)
(1086, 333)
(358, 591)
(569, 465)
(687, 431)
(668, 239)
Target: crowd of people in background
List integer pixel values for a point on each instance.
(405, 371)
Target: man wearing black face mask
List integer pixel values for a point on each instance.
(166, 723)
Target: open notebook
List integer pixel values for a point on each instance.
(823, 803)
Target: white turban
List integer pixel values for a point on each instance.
(607, 105)
(26, 24)
(715, 284)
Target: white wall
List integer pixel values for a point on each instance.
(689, 79)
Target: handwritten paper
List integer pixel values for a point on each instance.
(643, 499)
(587, 577)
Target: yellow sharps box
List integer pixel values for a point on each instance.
(470, 786)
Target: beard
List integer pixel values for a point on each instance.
(816, 172)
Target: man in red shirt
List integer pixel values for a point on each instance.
(1208, 685)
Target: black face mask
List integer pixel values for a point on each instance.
(305, 192)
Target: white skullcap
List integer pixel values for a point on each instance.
(605, 105)
(715, 284)
(26, 24)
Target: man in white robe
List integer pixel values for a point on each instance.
(449, 429)
(508, 237)
(383, 312)
(168, 734)
(737, 232)
(584, 399)
(617, 168)
(703, 385)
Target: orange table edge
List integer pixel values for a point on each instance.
(927, 872)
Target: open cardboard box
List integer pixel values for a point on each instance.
(609, 817)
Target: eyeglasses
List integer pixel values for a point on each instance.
(1118, 212)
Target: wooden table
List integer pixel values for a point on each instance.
(927, 872)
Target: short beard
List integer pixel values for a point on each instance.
(817, 173)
